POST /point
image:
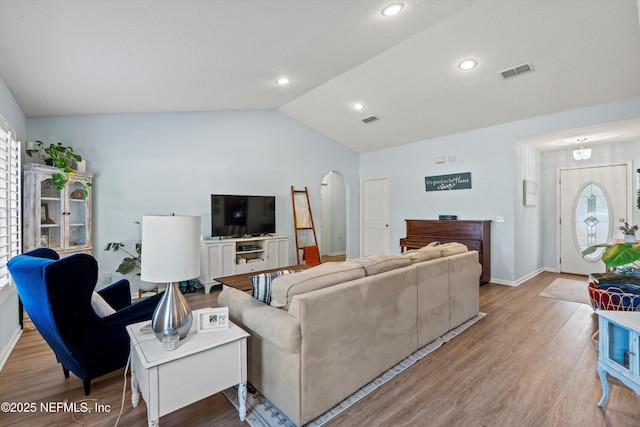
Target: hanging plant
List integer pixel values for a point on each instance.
(61, 157)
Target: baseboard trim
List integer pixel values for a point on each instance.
(520, 280)
(337, 253)
(6, 352)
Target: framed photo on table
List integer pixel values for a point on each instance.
(212, 319)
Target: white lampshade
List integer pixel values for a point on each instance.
(170, 248)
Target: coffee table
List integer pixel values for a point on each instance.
(205, 363)
(242, 282)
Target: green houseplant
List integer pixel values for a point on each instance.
(61, 157)
(131, 261)
(618, 254)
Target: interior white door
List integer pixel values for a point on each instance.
(375, 216)
(593, 203)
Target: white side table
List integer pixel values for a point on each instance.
(204, 364)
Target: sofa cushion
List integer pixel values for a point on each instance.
(452, 248)
(284, 288)
(261, 284)
(426, 253)
(379, 263)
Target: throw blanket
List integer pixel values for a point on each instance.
(311, 255)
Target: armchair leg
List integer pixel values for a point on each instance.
(66, 372)
(87, 387)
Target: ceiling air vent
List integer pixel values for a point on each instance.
(516, 71)
(370, 119)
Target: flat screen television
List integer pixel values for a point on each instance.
(240, 216)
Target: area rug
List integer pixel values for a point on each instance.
(261, 413)
(568, 290)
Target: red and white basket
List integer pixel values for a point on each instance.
(613, 299)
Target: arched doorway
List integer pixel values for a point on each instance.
(333, 217)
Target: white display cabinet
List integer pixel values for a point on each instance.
(56, 219)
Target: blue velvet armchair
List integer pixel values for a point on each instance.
(56, 293)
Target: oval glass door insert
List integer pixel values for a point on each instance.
(592, 220)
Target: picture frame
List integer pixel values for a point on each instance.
(212, 319)
(44, 213)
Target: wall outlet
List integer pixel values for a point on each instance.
(500, 218)
(107, 277)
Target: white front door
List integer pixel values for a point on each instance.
(593, 202)
(375, 216)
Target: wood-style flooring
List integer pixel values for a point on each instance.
(529, 362)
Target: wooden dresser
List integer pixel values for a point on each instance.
(476, 235)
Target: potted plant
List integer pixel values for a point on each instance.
(132, 262)
(629, 232)
(61, 157)
(618, 254)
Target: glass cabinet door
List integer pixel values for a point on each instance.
(77, 214)
(619, 345)
(50, 215)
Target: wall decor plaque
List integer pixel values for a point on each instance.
(454, 181)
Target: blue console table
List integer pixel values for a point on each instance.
(619, 349)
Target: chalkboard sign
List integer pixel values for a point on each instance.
(455, 181)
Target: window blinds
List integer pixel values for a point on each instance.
(10, 227)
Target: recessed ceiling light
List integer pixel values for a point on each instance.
(283, 81)
(358, 106)
(468, 64)
(393, 9)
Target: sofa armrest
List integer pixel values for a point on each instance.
(270, 323)
(464, 287)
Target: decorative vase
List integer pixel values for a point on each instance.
(172, 318)
(629, 238)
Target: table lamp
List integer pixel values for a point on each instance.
(170, 254)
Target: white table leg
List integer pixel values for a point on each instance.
(135, 394)
(242, 400)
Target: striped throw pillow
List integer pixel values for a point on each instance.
(261, 284)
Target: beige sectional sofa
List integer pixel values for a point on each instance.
(333, 328)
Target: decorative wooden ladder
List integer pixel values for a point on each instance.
(303, 222)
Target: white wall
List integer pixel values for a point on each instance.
(528, 220)
(524, 243)
(10, 110)
(9, 325)
(171, 163)
(490, 159)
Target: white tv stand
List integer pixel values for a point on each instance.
(226, 257)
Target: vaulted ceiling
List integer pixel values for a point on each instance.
(68, 57)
